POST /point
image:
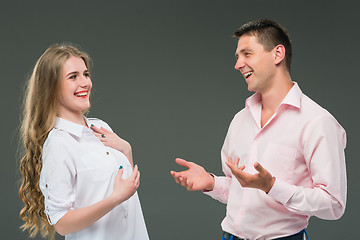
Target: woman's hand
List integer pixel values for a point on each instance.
(111, 139)
(125, 188)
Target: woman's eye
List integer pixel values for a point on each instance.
(72, 77)
(87, 74)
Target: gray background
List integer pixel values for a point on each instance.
(164, 80)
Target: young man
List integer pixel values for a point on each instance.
(288, 152)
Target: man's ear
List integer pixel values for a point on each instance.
(279, 53)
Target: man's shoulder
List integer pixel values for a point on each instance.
(317, 115)
(241, 117)
(312, 109)
(242, 113)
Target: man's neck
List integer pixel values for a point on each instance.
(275, 94)
(272, 98)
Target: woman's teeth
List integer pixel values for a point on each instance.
(82, 94)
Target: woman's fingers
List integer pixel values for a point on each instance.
(120, 173)
(137, 180)
(135, 171)
(97, 130)
(105, 130)
(101, 133)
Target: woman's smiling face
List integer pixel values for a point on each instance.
(75, 88)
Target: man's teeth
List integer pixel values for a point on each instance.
(83, 94)
(248, 74)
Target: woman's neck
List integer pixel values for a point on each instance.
(75, 118)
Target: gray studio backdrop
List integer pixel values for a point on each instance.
(164, 80)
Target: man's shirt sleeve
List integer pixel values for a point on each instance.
(324, 141)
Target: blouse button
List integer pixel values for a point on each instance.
(107, 153)
(46, 185)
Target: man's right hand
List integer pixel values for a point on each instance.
(195, 178)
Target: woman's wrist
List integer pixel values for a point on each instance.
(127, 149)
(114, 200)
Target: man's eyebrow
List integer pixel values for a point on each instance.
(245, 50)
(242, 51)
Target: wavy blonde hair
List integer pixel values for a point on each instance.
(39, 113)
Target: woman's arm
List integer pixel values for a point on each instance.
(78, 219)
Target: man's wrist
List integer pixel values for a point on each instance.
(211, 185)
(271, 185)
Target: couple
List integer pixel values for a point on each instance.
(283, 156)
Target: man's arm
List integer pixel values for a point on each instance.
(324, 141)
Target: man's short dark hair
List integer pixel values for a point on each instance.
(269, 34)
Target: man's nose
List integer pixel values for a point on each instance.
(239, 63)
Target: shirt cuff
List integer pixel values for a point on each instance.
(282, 191)
(207, 192)
(54, 218)
(221, 188)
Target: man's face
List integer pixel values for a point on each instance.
(255, 63)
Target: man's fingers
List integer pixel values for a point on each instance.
(237, 161)
(176, 176)
(230, 165)
(184, 181)
(260, 169)
(182, 162)
(189, 186)
(237, 171)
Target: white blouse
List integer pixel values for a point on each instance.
(79, 170)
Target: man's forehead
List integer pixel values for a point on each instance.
(247, 42)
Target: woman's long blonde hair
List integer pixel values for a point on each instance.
(39, 113)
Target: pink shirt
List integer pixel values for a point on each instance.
(302, 145)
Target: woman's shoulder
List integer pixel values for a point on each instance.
(57, 139)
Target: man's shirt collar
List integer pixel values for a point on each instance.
(293, 98)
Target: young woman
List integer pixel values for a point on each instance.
(78, 176)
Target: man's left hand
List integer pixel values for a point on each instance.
(261, 180)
